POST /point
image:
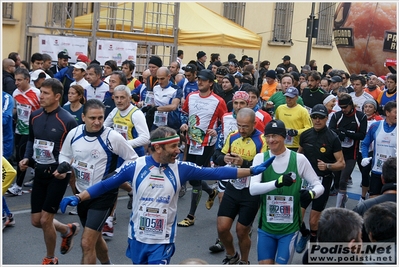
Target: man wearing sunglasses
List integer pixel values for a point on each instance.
(350, 125)
(322, 147)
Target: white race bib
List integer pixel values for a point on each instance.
(280, 209)
(160, 118)
(153, 222)
(196, 150)
(43, 151)
(122, 129)
(83, 172)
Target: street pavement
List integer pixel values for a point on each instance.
(24, 244)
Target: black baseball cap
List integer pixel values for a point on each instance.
(206, 75)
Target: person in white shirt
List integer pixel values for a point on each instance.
(79, 72)
(97, 88)
(359, 95)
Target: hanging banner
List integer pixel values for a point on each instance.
(53, 44)
(115, 50)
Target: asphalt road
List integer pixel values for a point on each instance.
(24, 245)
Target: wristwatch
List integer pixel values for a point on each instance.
(328, 166)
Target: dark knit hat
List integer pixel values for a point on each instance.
(200, 54)
(157, 61)
(271, 74)
(295, 75)
(231, 79)
(326, 67)
(276, 127)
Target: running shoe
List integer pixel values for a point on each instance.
(349, 182)
(74, 211)
(231, 259)
(211, 199)
(15, 190)
(186, 222)
(10, 220)
(108, 229)
(217, 247)
(67, 241)
(47, 261)
(244, 263)
(301, 245)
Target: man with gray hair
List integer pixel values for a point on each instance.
(129, 121)
(163, 110)
(338, 225)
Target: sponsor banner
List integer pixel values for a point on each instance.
(352, 253)
(53, 44)
(115, 50)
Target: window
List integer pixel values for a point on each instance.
(7, 10)
(326, 20)
(283, 15)
(234, 12)
(58, 13)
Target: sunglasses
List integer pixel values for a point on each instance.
(343, 107)
(320, 117)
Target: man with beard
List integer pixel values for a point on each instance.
(350, 125)
(152, 227)
(313, 94)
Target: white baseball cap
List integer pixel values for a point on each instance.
(80, 65)
(39, 74)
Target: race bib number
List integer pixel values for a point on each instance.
(289, 140)
(83, 172)
(153, 222)
(149, 99)
(43, 151)
(196, 150)
(240, 183)
(161, 118)
(122, 129)
(280, 209)
(347, 142)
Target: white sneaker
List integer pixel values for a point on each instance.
(15, 190)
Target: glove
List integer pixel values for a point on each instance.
(285, 180)
(145, 109)
(350, 134)
(292, 132)
(306, 195)
(255, 170)
(135, 97)
(365, 161)
(152, 110)
(71, 201)
(341, 134)
(63, 167)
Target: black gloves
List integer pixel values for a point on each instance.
(135, 97)
(285, 180)
(307, 195)
(63, 167)
(145, 109)
(350, 134)
(341, 134)
(152, 110)
(292, 132)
